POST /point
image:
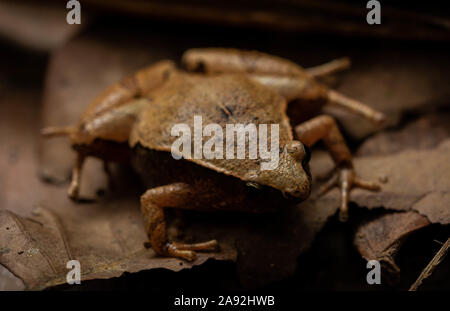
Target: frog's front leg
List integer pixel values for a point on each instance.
(329, 68)
(325, 128)
(298, 88)
(153, 202)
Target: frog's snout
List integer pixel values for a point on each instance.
(301, 153)
(297, 179)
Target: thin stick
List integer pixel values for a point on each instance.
(437, 259)
(330, 67)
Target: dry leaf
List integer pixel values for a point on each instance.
(413, 180)
(107, 238)
(395, 82)
(380, 238)
(427, 132)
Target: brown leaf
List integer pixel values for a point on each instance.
(8, 281)
(392, 86)
(381, 237)
(414, 180)
(37, 252)
(426, 132)
(107, 238)
(416, 183)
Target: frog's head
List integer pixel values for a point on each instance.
(291, 177)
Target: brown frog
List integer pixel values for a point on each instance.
(133, 120)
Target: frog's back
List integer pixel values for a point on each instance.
(110, 116)
(222, 100)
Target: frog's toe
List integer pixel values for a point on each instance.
(173, 251)
(348, 180)
(211, 245)
(73, 191)
(368, 185)
(345, 179)
(187, 251)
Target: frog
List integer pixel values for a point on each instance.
(132, 122)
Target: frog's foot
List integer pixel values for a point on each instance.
(187, 251)
(210, 245)
(188, 255)
(73, 190)
(345, 179)
(74, 187)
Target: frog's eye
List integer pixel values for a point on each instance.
(294, 147)
(253, 188)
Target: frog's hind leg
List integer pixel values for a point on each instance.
(329, 68)
(325, 128)
(286, 77)
(153, 202)
(223, 60)
(74, 188)
(338, 99)
(297, 88)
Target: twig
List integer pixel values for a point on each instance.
(440, 255)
